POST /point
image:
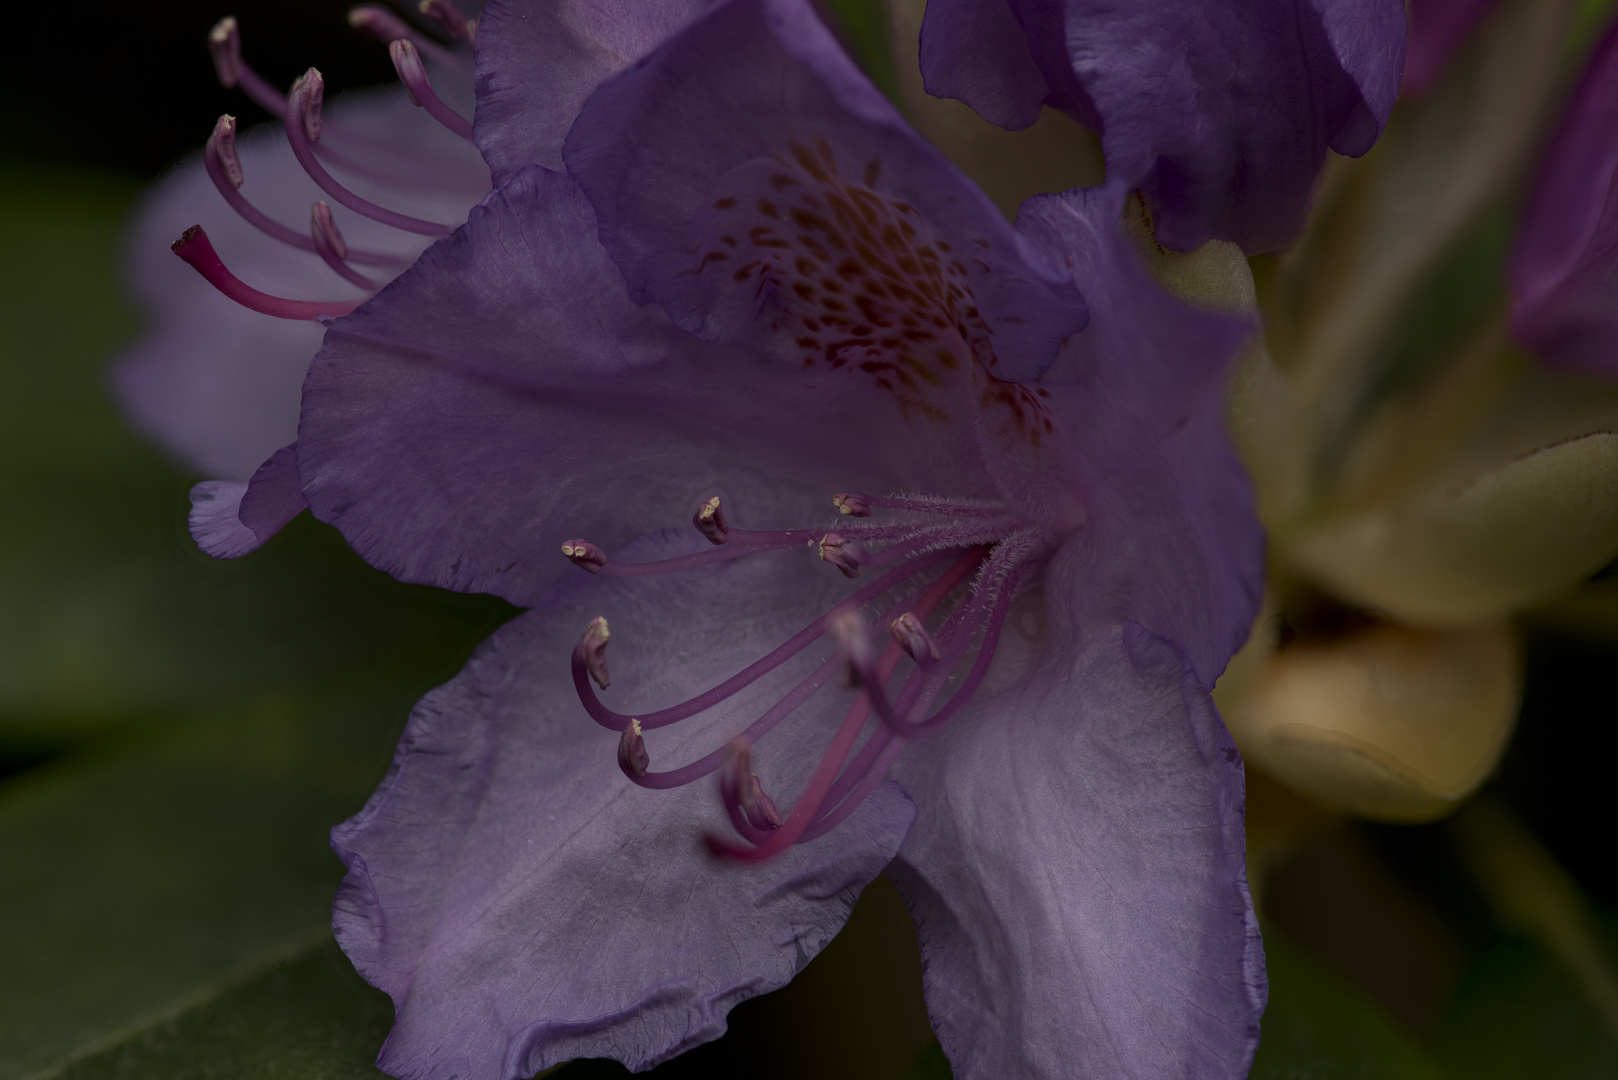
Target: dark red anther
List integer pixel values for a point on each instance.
(225, 46)
(222, 145)
(710, 521)
(841, 554)
(585, 555)
(852, 504)
(446, 15)
(632, 755)
(914, 639)
(594, 646)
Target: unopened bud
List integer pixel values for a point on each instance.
(841, 554)
(225, 46)
(710, 521)
(308, 93)
(594, 646)
(222, 145)
(852, 503)
(446, 15)
(914, 639)
(320, 221)
(585, 554)
(632, 755)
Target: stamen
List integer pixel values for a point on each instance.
(616, 721)
(852, 504)
(914, 639)
(928, 504)
(825, 774)
(219, 158)
(384, 26)
(596, 636)
(329, 243)
(632, 755)
(710, 521)
(194, 247)
(407, 62)
(585, 555)
(841, 554)
(446, 15)
(750, 809)
(225, 45)
(302, 121)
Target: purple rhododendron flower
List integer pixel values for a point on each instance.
(817, 304)
(1563, 271)
(977, 470)
(1220, 111)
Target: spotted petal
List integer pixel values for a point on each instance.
(814, 222)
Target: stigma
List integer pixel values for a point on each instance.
(911, 645)
(328, 153)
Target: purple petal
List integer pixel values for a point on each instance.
(1221, 112)
(1437, 29)
(1564, 304)
(1077, 870)
(537, 62)
(229, 519)
(505, 395)
(753, 224)
(218, 385)
(975, 51)
(524, 904)
(1140, 393)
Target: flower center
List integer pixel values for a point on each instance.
(948, 572)
(379, 161)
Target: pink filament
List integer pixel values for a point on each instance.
(194, 247)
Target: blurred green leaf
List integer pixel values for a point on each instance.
(1318, 1027)
(107, 611)
(148, 879)
(309, 1016)
(1518, 1013)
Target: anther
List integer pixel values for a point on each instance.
(308, 95)
(324, 228)
(852, 504)
(740, 784)
(841, 554)
(710, 521)
(914, 639)
(194, 247)
(585, 554)
(225, 46)
(407, 62)
(222, 144)
(594, 646)
(632, 755)
(848, 630)
(446, 15)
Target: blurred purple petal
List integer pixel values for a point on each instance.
(1437, 30)
(1563, 272)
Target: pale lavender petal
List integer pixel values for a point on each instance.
(1563, 272)
(524, 904)
(218, 385)
(1139, 393)
(749, 225)
(1222, 112)
(229, 519)
(1077, 870)
(1437, 29)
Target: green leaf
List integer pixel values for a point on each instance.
(305, 1016)
(1520, 1014)
(1317, 1027)
(147, 880)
